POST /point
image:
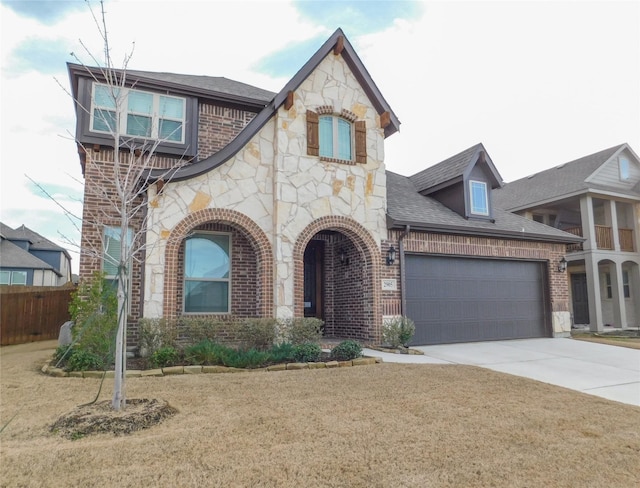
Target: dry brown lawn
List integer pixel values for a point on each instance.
(387, 425)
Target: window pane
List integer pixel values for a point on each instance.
(5, 277)
(326, 136)
(104, 120)
(19, 278)
(207, 256)
(344, 139)
(624, 168)
(111, 256)
(140, 103)
(170, 130)
(206, 296)
(138, 125)
(479, 203)
(103, 96)
(172, 108)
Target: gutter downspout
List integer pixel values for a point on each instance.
(403, 295)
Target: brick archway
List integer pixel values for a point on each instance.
(371, 261)
(254, 234)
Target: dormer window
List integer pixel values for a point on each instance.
(479, 198)
(143, 114)
(623, 165)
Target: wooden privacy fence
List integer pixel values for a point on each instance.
(32, 313)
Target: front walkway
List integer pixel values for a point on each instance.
(609, 372)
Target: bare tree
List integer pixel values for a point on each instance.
(120, 185)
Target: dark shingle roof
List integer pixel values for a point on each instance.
(565, 179)
(405, 206)
(446, 170)
(216, 84)
(37, 241)
(12, 256)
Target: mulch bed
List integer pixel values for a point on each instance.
(100, 418)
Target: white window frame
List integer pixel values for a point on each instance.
(482, 187)
(335, 126)
(156, 116)
(227, 280)
(11, 280)
(623, 167)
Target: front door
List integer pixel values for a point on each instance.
(580, 298)
(313, 279)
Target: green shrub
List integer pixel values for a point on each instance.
(282, 353)
(239, 358)
(83, 360)
(197, 329)
(307, 352)
(398, 331)
(163, 357)
(346, 350)
(257, 333)
(205, 352)
(155, 334)
(94, 311)
(302, 330)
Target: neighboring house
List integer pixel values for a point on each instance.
(596, 197)
(27, 258)
(285, 209)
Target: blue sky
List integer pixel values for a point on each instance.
(538, 82)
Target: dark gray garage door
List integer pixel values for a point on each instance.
(454, 299)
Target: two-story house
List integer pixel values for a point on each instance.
(279, 205)
(29, 259)
(596, 197)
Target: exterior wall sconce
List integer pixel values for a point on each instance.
(343, 257)
(562, 265)
(391, 256)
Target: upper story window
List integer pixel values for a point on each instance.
(142, 114)
(340, 138)
(335, 138)
(479, 198)
(623, 165)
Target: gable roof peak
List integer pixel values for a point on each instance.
(456, 168)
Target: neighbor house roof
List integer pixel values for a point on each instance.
(38, 242)
(406, 206)
(562, 181)
(454, 169)
(12, 256)
(252, 128)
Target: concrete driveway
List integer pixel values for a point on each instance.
(606, 371)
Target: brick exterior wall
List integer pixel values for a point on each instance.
(352, 297)
(244, 274)
(255, 260)
(455, 245)
(217, 127)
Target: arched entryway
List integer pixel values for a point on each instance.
(336, 271)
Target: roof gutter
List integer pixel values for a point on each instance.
(403, 294)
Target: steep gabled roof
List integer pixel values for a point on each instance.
(562, 181)
(252, 128)
(455, 169)
(38, 242)
(406, 206)
(12, 256)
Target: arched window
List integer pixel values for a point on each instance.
(338, 138)
(335, 138)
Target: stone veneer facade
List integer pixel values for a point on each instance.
(279, 198)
